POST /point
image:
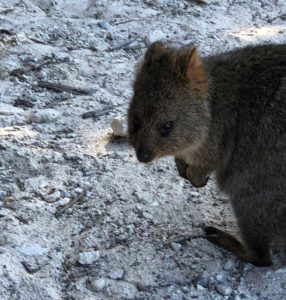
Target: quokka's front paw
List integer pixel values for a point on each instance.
(199, 182)
(181, 167)
(198, 177)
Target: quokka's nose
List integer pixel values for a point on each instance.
(144, 155)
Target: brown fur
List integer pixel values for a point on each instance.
(223, 114)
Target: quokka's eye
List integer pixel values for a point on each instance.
(166, 128)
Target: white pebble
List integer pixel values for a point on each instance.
(156, 35)
(116, 274)
(6, 109)
(31, 249)
(99, 284)
(229, 265)
(34, 183)
(87, 258)
(119, 127)
(53, 197)
(223, 290)
(147, 215)
(195, 194)
(62, 202)
(176, 246)
(146, 199)
(45, 116)
(78, 190)
(219, 277)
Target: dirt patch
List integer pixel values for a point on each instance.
(109, 241)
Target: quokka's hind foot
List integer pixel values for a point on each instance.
(255, 254)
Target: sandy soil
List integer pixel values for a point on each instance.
(80, 217)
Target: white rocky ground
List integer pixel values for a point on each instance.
(80, 217)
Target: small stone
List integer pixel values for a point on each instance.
(31, 267)
(78, 190)
(104, 25)
(6, 109)
(35, 183)
(139, 207)
(200, 288)
(3, 240)
(122, 290)
(87, 258)
(194, 194)
(219, 277)
(45, 116)
(177, 295)
(72, 156)
(281, 270)
(116, 274)
(147, 215)
(53, 197)
(203, 281)
(229, 265)
(107, 168)
(2, 194)
(21, 153)
(155, 203)
(65, 194)
(145, 199)
(176, 246)
(119, 127)
(98, 285)
(31, 249)
(223, 290)
(62, 202)
(156, 35)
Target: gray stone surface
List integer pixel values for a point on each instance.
(102, 199)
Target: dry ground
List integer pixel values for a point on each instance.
(80, 217)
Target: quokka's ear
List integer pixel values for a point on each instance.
(191, 67)
(157, 52)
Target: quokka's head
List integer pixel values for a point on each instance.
(168, 112)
